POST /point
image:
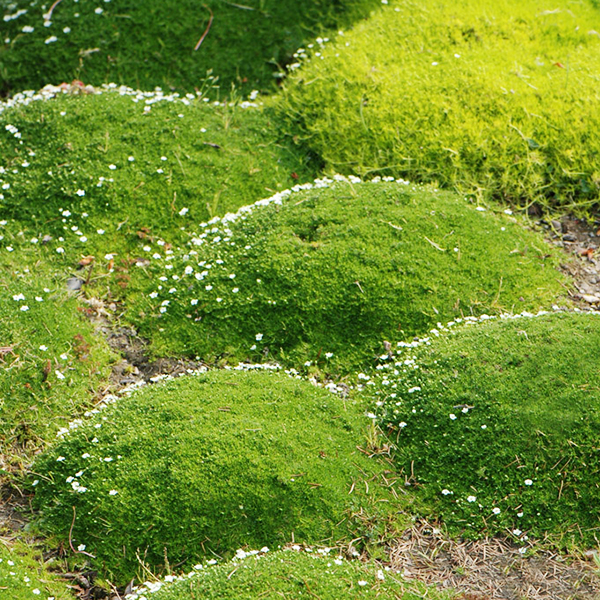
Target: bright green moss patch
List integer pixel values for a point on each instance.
(288, 574)
(498, 99)
(152, 42)
(338, 269)
(51, 362)
(134, 164)
(23, 576)
(499, 424)
(210, 463)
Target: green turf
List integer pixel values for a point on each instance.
(497, 424)
(338, 269)
(202, 465)
(288, 574)
(51, 362)
(495, 98)
(23, 576)
(148, 43)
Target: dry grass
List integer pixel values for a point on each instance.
(491, 568)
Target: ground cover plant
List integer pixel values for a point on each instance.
(494, 99)
(172, 44)
(205, 464)
(292, 572)
(133, 163)
(50, 360)
(24, 577)
(323, 276)
(496, 424)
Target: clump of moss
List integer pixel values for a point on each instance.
(496, 424)
(494, 99)
(23, 576)
(134, 164)
(287, 573)
(51, 361)
(156, 42)
(330, 273)
(206, 464)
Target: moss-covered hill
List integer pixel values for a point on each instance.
(498, 99)
(327, 275)
(205, 464)
(497, 424)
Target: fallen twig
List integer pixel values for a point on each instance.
(207, 28)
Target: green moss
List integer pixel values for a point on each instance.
(24, 576)
(152, 42)
(132, 171)
(206, 464)
(503, 416)
(288, 573)
(494, 99)
(51, 362)
(338, 269)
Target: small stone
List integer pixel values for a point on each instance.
(556, 225)
(591, 299)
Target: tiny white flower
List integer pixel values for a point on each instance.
(100, 231)
(58, 374)
(43, 348)
(522, 550)
(496, 510)
(528, 482)
(446, 492)
(112, 167)
(194, 301)
(259, 337)
(362, 583)
(471, 499)
(51, 39)
(219, 299)
(80, 192)
(24, 308)
(130, 158)
(60, 459)
(208, 288)
(60, 250)
(27, 29)
(184, 211)
(36, 591)
(98, 11)
(113, 493)
(452, 416)
(517, 532)
(85, 455)
(66, 30)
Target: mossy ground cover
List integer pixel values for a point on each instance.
(130, 162)
(494, 99)
(206, 464)
(23, 576)
(289, 573)
(322, 277)
(153, 42)
(496, 425)
(51, 362)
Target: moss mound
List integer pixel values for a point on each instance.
(130, 162)
(50, 359)
(338, 269)
(152, 42)
(207, 464)
(23, 576)
(499, 422)
(287, 573)
(495, 99)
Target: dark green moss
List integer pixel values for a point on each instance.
(152, 42)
